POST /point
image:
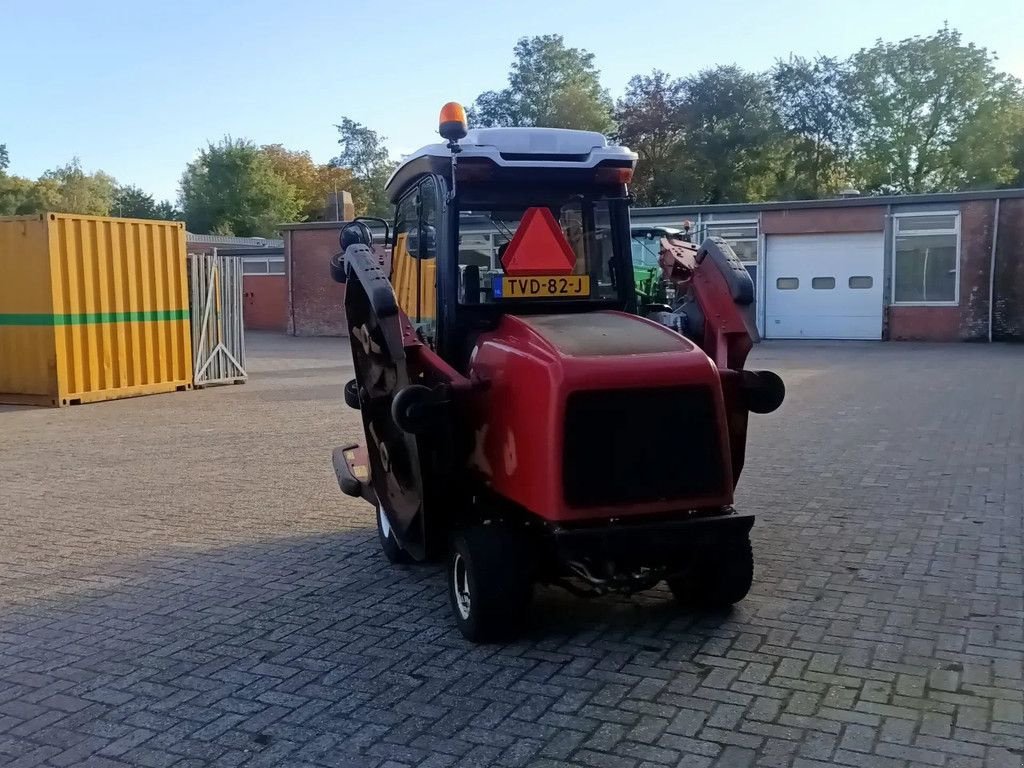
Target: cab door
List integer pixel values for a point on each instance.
(414, 256)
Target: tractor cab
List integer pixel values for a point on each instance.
(646, 247)
(502, 372)
(515, 221)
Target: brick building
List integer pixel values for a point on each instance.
(941, 267)
(264, 281)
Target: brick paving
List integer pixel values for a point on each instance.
(182, 584)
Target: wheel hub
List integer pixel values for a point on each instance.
(461, 584)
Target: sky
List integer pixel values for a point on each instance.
(137, 88)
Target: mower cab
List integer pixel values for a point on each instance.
(507, 384)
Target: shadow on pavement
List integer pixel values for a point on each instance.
(315, 650)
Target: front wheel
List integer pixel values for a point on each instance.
(489, 583)
(719, 576)
(388, 543)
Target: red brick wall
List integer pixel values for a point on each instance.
(969, 320)
(317, 303)
(823, 220)
(1008, 307)
(265, 302)
(975, 259)
(924, 323)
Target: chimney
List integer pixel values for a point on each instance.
(849, 192)
(339, 207)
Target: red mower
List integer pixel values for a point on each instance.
(524, 419)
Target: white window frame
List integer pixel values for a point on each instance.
(921, 233)
(278, 261)
(705, 224)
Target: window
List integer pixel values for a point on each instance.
(787, 283)
(742, 236)
(476, 250)
(263, 265)
(861, 281)
(823, 283)
(926, 255)
(413, 262)
(488, 222)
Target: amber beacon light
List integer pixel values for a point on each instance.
(452, 122)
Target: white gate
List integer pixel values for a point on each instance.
(218, 331)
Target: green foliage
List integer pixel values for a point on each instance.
(650, 119)
(733, 136)
(365, 157)
(5, 159)
(15, 194)
(921, 105)
(232, 189)
(548, 85)
(810, 97)
(130, 202)
(69, 189)
(313, 183)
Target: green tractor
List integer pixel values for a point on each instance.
(645, 243)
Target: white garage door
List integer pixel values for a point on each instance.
(823, 286)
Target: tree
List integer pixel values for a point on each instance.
(69, 189)
(130, 202)
(915, 101)
(810, 96)
(15, 195)
(232, 189)
(734, 141)
(314, 184)
(650, 119)
(166, 211)
(5, 159)
(548, 85)
(365, 157)
(988, 152)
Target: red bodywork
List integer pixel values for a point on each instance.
(518, 417)
(521, 374)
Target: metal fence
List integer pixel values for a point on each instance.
(218, 331)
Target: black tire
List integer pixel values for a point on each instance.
(489, 583)
(389, 544)
(720, 577)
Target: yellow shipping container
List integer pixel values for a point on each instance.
(92, 308)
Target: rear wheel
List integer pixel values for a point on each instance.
(489, 583)
(720, 576)
(388, 543)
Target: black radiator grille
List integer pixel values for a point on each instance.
(640, 445)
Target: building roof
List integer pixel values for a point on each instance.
(271, 250)
(227, 241)
(834, 202)
(311, 225)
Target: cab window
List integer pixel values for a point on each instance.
(414, 257)
(487, 226)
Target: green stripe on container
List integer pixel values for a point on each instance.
(94, 317)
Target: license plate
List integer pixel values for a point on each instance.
(541, 287)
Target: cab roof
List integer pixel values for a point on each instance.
(551, 148)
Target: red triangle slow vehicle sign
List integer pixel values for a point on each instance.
(538, 247)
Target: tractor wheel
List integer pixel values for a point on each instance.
(489, 583)
(392, 551)
(720, 577)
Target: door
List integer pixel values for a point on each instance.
(824, 286)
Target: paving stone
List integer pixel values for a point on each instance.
(182, 584)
